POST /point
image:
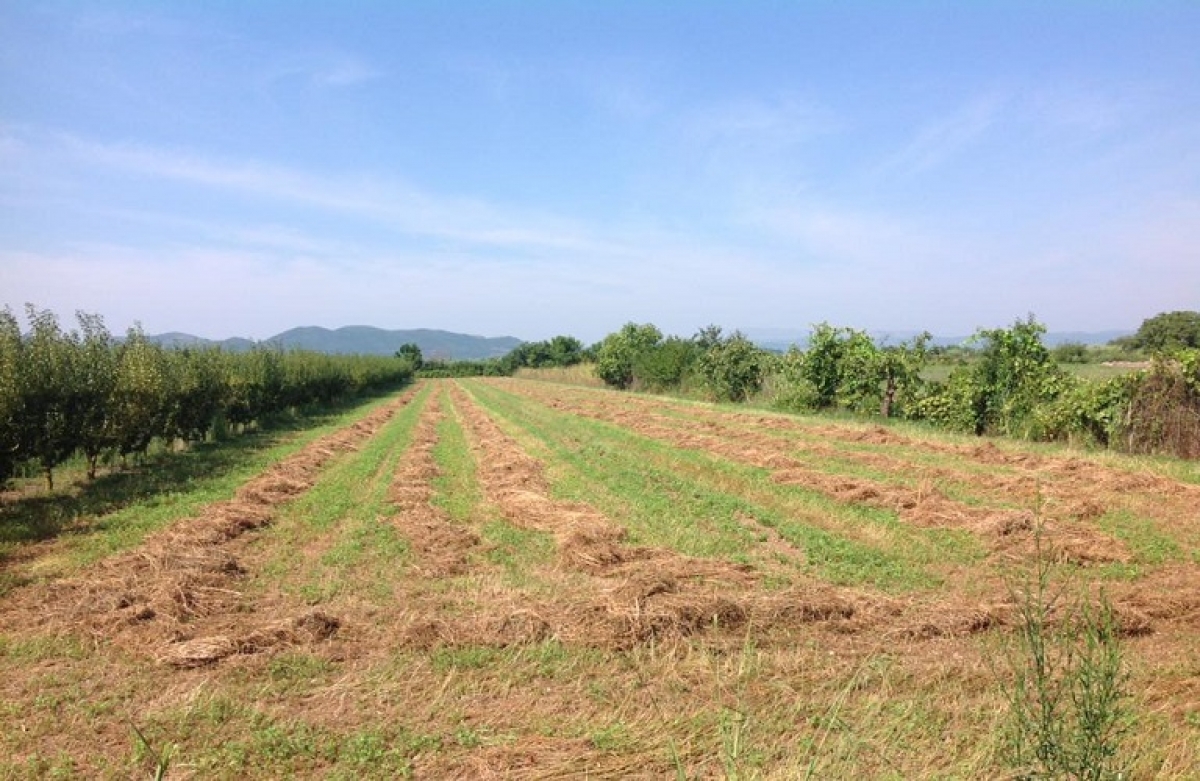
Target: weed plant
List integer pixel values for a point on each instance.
(1067, 688)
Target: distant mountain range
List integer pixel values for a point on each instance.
(783, 339)
(362, 340)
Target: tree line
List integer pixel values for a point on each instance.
(1005, 382)
(85, 392)
(1002, 381)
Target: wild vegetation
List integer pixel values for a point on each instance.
(1004, 382)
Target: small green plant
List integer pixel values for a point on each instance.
(1067, 687)
(145, 751)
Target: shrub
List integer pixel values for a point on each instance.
(619, 352)
(1163, 414)
(732, 369)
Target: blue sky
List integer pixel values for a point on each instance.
(537, 168)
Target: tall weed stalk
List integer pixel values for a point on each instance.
(1067, 685)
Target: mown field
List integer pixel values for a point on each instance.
(515, 579)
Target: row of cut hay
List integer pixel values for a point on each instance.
(925, 505)
(1073, 491)
(151, 596)
(442, 547)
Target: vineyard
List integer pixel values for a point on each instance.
(502, 578)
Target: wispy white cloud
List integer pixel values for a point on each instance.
(395, 205)
(346, 72)
(754, 121)
(944, 138)
(328, 69)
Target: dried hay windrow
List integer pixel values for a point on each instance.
(800, 607)
(955, 622)
(1170, 595)
(441, 546)
(183, 572)
(311, 627)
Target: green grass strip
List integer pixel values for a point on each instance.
(350, 502)
(692, 501)
(180, 487)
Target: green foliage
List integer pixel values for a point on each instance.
(1091, 411)
(844, 368)
(1168, 332)
(82, 392)
(665, 366)
(559, 351)
(411, 352)
(619, 352)
(11, 397)
(490, 367)
(51, 405)
(139, 400)
(1164, 408)
(732, 368)
(899, 367)
(1071, 352)
(95, 379)
(997, 393)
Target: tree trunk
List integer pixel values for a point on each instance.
(889, 398)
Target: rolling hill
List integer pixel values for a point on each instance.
(362, 340)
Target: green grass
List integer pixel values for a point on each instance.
(456, 489)
(692, 502)
(1149, 545)
(349, 508)
(517, 551)
(118, 511)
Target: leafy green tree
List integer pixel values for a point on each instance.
(999, 391)
(11, 399)
(411, 352)
(1168, 332)
(619, 352)
(1070, 352)
(257, 385)
(50, 412)
(732, 368)
(198, 393)
(708, 337)
(139, 399)
(837, 369)
(899, 369)
(559, 351)
(565, 351)
(95, 380)
(665, 366)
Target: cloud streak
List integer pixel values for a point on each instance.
(398, 207)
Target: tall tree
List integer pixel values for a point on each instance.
(51, 404)
(1169, 331)
(11, 400)
(95, 378)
